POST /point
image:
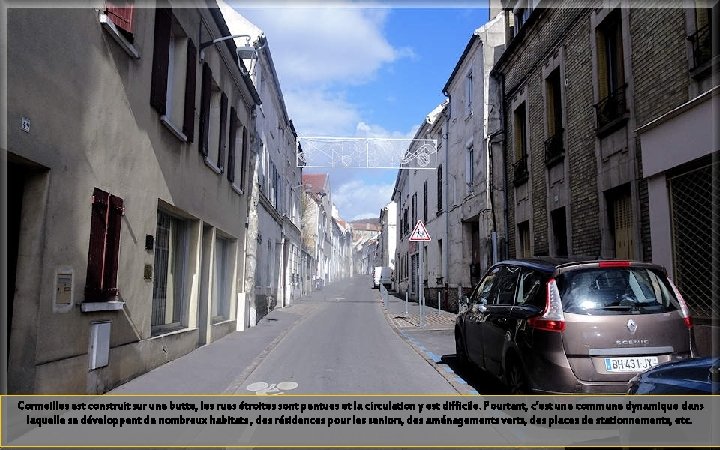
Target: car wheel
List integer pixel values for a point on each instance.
(514, 377)
(460, 350)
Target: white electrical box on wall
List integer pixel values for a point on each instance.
(99, 346)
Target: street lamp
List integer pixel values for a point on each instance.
(246, 51)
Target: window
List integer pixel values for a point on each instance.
(222, 279)
(620, 219)
(559, 230)
(468, 93)
(520, 168)
(469, 168)
(232, 145)
(117, 20)
(171, 242)
(523, 250)
(530, 289)
(440, 258)
(505, 284)
(172, 89)
(104, 247)
(701, 38)
(554, 147)
(439, 189)
(414, 210)
(611, 72)
(425, 208)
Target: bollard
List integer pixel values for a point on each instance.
(406, 303)
(438, 303)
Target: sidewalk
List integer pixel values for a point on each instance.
(222, 366)
(434, 319)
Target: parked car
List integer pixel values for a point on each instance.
(559, 326)
(382, 275)
(692, 376)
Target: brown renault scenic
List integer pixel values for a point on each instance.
(547, 325)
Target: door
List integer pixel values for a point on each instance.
(497, 323)
(623, 225)
(481, 297)
(16, 188)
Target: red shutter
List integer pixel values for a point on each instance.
(223, 130)
(244, 158)
(190, 86)
(205, 94)
(96, 249)
(231, 145)
(121, 14)
(161, 58)
(112, 248)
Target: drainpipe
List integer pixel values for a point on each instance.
(446, 177)
(505, 165)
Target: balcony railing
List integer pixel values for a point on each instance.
(702, 46)
(520, 171)
(610, 110)
(555, 148)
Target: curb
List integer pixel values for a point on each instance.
(446, 372)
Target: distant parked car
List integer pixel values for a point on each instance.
(559, 326)
(382, 275)
(692, 376)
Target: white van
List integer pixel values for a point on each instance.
(382, 275)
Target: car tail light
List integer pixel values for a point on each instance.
(684, 310)
(552, 318)
(603, 264)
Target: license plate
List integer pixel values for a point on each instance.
(634, 364)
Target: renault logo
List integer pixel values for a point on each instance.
(631, 326)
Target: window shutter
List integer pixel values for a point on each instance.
(243, 158)
(602, 70)
(161, 58)
(223, 130)
(121, 16)
(205, 95)
(231, 145)
(112, 247)
(190, 86)
(96, 249)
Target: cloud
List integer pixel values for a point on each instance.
(357, 198)
(319, 112)
(326, 45)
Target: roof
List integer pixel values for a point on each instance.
(465, 52)
(316, 182)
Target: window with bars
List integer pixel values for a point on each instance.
(104, 247)
(611, 108)
(554, 145)
(520, 166)
(172, 88)
(171, 248)
(620, 219)
(523, 250)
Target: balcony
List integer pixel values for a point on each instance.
(611, 112)
(702, 46)
(520, 171)
(555, 148)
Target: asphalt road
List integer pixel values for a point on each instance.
(343, 344)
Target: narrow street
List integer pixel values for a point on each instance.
(344, 344)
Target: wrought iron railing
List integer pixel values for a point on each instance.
(611, 108)
(555, 148)
(702, 45)
(520, 171)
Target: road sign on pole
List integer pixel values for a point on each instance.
(420, 233)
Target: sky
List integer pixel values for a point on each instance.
(357, 71)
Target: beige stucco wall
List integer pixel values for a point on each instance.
(92, 126)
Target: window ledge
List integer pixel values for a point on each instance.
(113, 305)
(119, 38)
(237, 189)
(212, 166)
(171, 126)
(161, 331)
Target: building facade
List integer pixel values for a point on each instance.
(632, 180)
(128, 191)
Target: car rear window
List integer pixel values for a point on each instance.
(609, 291)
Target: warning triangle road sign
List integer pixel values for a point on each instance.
(420, 233)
